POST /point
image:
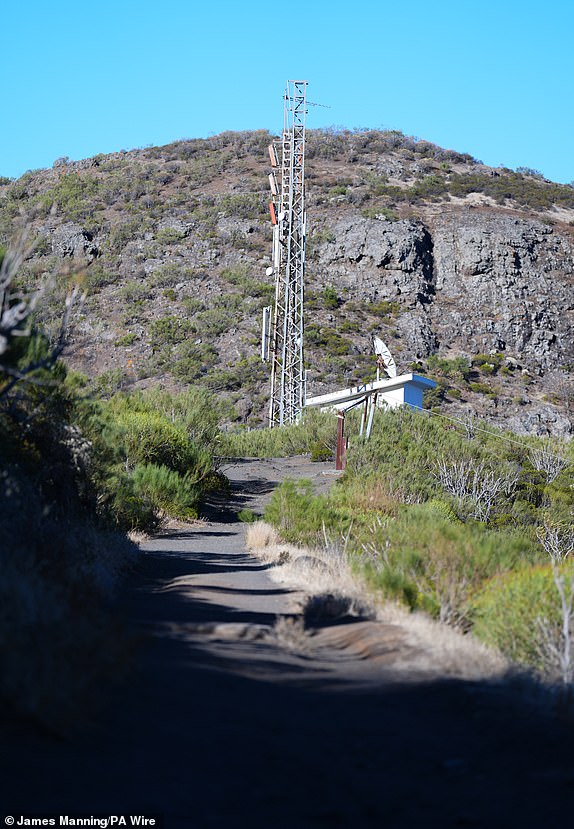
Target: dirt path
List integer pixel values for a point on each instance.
(221, 725)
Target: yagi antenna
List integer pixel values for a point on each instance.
(384, 358)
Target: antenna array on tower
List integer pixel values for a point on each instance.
(283, 329)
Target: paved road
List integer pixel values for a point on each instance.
(221, 725)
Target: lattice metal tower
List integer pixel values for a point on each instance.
(283, 338)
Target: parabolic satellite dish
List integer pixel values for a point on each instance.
(384, 357)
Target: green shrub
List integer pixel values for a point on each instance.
(488, 363)
(167, 276)
(126, 339)
(122, 233)
(98, 276)
(149, 431)
(482, 388)
(195, 410)
(169, 236)
(297, 513)
(376, 212)
(166, 490)
(433, 398)
(506, 613)
(241, 277)
(447, 560)
(192, 360)
(75, 195)
(168, 331)
(151, 438)
(315, 429)
(243, 205)
(524, 189)
(134, 290)
(109, 382)
(330, 298)
(247, 516)
(320, 452)
(382, 308)
(457, 368)
(120, 503)
(328, 339)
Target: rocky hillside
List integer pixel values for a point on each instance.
(466, 271)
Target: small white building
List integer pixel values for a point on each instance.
(405, 390)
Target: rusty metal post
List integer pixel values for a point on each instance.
(341, 460)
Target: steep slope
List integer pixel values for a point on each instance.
(446, 258)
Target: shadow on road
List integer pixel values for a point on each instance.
(220, 725)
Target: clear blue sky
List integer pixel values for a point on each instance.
(490, 78)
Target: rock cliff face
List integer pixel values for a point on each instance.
(503, 283)
(470, 282)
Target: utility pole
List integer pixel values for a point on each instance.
(283, 328)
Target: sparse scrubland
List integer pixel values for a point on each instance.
(405, 237)
(473, 529)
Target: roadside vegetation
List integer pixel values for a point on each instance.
(77, 472)
(467, 524)
(316, 435)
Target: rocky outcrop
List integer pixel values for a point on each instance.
(539, 420)
(71, 240)
(379, 259)
(503, 283)
(473, 281)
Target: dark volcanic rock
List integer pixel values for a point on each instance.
(503, 283)
(70, 239)
(382, 259)
(474, 281)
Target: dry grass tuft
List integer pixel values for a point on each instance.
(317, 571)
(441, 648)
(138, 536)
(260, 535)
(333, 591)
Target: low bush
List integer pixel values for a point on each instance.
(316, 432)
(169, 236)
(409, 532)
(169, 330)
(167, 491)
(297, 514)
(147, 437)
(154, 454)
(420, 555)
(513, 611)
(330, 298)
(457, 368)
(441, 560)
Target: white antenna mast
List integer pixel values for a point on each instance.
(287, 208)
